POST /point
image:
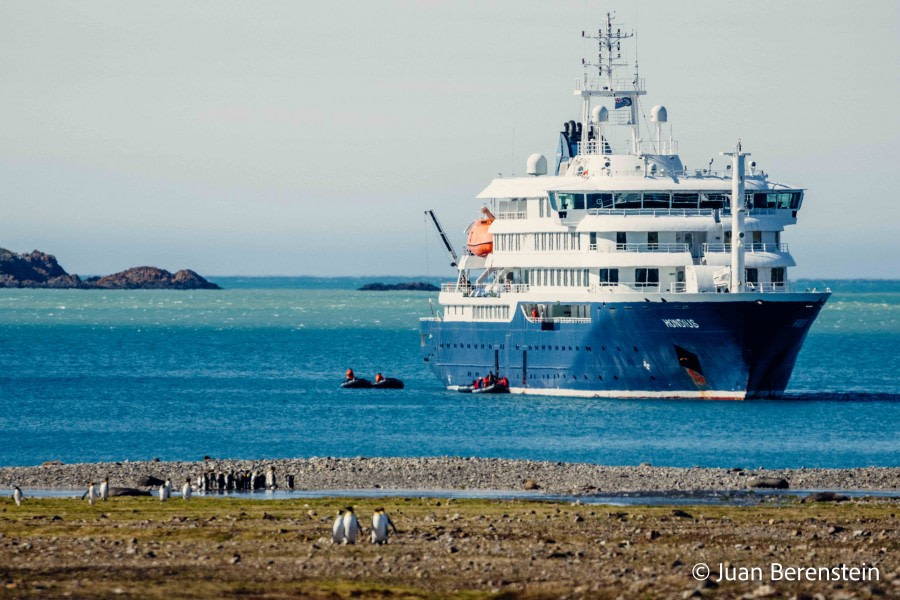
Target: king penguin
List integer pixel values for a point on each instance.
(104, 489)
(351, 526)
(92, 494)
(17, 495)
(337, 530)
(380, 523)
(186, 490)
(164, 491)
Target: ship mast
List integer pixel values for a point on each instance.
(609, 58)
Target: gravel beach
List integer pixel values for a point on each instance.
(450, 473)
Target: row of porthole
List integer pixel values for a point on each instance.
(469, 346)
(557, 376)
(535, 348)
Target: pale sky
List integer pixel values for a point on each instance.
(293, 138)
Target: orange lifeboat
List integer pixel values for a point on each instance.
(480, 242)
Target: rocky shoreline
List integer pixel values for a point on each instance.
(40, 270)
(453, 473)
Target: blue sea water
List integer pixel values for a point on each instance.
(252, 371)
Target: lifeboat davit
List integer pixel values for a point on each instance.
(480, 242)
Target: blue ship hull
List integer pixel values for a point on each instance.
(720, 348)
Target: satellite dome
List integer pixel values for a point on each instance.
(599, 114)
(536, 165)
(658, 114)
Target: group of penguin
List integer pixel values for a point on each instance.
(165, 490)
(101, 492)
(346, 528)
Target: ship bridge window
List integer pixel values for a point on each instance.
(567, 201)
(681, 200)
(656, 200)
(783, 200)
(628, 200)
(599, 200)
(715, 200)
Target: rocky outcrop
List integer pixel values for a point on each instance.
(415, 286)
(33, 270)
(152, 278)
(41, 270)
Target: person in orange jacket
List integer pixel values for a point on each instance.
(350, 375)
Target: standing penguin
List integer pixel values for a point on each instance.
(164, 492)
(92, 494)
(186, 490)
(380, 523)
(337, 530)
(270, 478)
(104, 489)
(351, 526)
(17, 495)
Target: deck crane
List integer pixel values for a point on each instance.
(454, 260)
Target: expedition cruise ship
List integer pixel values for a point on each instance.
(624, 273)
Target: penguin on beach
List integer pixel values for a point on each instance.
(380, 523)
(337, 529)
(104, 489)
(164, 491)
(186, 490)
(92, 494)
(351, 527)
(270, 478)
(17, 495)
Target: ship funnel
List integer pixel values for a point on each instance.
(536, 165)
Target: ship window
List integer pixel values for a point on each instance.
(656, 200)
(579, 201)
(752, 276)
(609, 276)
(778, 276)
(628, 200)
(646, 275)
(685, 200)
(757, 237)
(564, 201)
(621, 237)
(599, 201)
(652, 237)
(796, 199)
(714, 200)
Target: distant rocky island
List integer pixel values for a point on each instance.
(414, 286)
(40, 270)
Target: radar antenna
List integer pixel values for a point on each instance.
(609, 49)
(624, 91)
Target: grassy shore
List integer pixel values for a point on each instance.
(225, 547)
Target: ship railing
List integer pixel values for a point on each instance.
(512, 215)
(456, 288)
(677, 287)
(488, 290)
(652, 212)
(648, 286)
(770, 287)
(756, 247)
(621, 84)
(652, 247)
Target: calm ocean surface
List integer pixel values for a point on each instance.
(253, 371)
